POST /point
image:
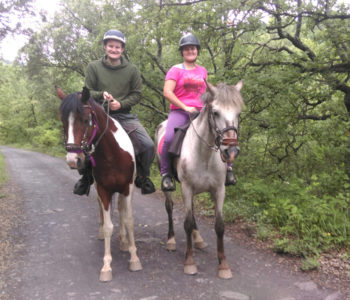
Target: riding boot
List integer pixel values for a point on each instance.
(230, 177)
(145, 184)
(82, 187)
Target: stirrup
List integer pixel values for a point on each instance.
(168, 183)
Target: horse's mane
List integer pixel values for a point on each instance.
(225, 94)
(72, 103)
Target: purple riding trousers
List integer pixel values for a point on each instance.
(176, 118)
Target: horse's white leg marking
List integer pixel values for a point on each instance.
(135, 264)
(123, 241)
(100, 223)
(106, 271)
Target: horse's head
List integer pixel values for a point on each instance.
(224, 104)
(79, 125)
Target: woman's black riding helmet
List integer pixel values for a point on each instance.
(189, 39)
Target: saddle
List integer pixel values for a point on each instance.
(176, 144)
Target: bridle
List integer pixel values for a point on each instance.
(87, 145)
(219, 139)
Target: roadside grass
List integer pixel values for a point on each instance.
(3, 174)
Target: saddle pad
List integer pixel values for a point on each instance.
(160, 144)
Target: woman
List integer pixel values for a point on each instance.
(184, 84)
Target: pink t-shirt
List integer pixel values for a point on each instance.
(190, 85)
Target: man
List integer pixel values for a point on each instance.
(117, 83)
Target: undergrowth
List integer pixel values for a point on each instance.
(300, 219)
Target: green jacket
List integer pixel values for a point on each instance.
(122, 81)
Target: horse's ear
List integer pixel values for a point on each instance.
(60, 93)
(85, 95)
(239, 85)
(211, 88)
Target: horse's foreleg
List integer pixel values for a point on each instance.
(100, 223)
(171, 243)
(106, 271)
(134, 263)
(190, 267)
(224, 271)
(123, 241)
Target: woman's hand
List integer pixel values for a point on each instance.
(191, 110)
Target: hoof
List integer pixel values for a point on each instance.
(106, 276)
(190, 269)
(225, 274)
(171, 246)
(124, 247)
(135, 266)
(200, 245)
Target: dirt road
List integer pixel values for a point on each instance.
(57, 254)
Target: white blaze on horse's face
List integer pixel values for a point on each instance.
(72, 158)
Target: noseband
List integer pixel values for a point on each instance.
(86, 146)
(219, 133)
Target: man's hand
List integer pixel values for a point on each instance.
(113, 104)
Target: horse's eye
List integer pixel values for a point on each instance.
(216, 114)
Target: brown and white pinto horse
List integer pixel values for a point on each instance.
(210, 142)
(89, 131)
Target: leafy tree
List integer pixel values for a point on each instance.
(10, 10)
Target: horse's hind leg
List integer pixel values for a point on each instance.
(199, 243)
(171, 243)
(123, 241)
(126, 211)
(197, 238)
(224, 271)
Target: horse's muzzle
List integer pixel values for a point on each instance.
(230, 154)
(75, 160)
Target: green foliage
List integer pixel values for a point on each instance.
(309, 264)
(307, 224)
(3, 174)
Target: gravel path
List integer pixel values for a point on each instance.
(49, 247)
